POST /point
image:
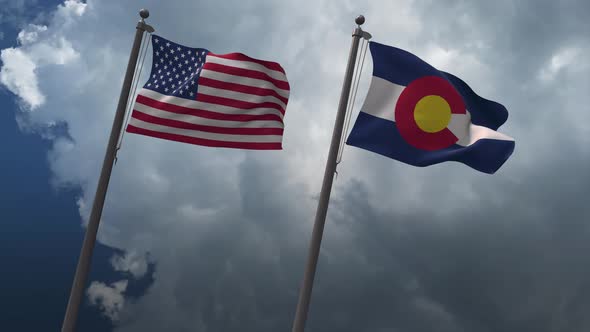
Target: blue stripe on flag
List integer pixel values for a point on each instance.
(382, 137)
(398, 66)
(483, 112)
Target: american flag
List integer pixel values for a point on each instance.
(220, 100)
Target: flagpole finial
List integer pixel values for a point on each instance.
(144, 13)
(360, 20)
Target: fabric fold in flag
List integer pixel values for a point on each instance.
(219, 100)
(421, 116)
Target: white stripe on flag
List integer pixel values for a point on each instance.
(239, 96)
(382, 98)
(459, 124)
(194, 104)
(253, 82)
(247, 65)
(204, 121)
(480, 132)
(205, 135)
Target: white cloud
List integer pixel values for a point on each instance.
(560, 61)
(18, 75)
(72, 8)
(19, 72)
(131, 262)
(40, 47)
(109, 299)
(30, 34)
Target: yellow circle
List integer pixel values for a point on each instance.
(432, 113)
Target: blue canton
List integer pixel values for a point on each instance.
(175, 68)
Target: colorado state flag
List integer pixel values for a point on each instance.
(421, 116)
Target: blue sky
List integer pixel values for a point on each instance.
(41, 236)
(200, 239)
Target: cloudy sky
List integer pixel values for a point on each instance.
(201, 239)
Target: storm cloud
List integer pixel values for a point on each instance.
(405, 249)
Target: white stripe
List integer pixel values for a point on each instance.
(239, 96)
(254, 82)
(382, 98)
(481, 132)
(204, 121)
(277, 75)
(188, 103)
(459, 124)
(206, 135)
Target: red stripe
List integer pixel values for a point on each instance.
(238, 103)
(243, 57)
(241, 88)
(245, 73)
(204, 113)
(205, 142)
(210, 129)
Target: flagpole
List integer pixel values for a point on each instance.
(83, 268)
(322, 210)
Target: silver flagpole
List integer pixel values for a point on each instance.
(320, 217)
(83, 268)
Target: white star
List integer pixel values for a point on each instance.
(154, 76)
(155, 81)
(174, 86)
(157, 86)
(182, 55)
(174, 70)
(161, 76)
(192, 58)
(170, 79)
(191, 94)
(162, 60)
(156, 40)
(176, 58)
(183, 72)
(157, 53)
(161, 48)
(149, 84)
(166, 89)
(177, 76)
(165, 67)
(171, 51)
(156, 65)
(159, 71)
(170, 62)
(167, 44)
(180, 65)
(166, 55)
(186, 62)
(167, 73)
(178, 48)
